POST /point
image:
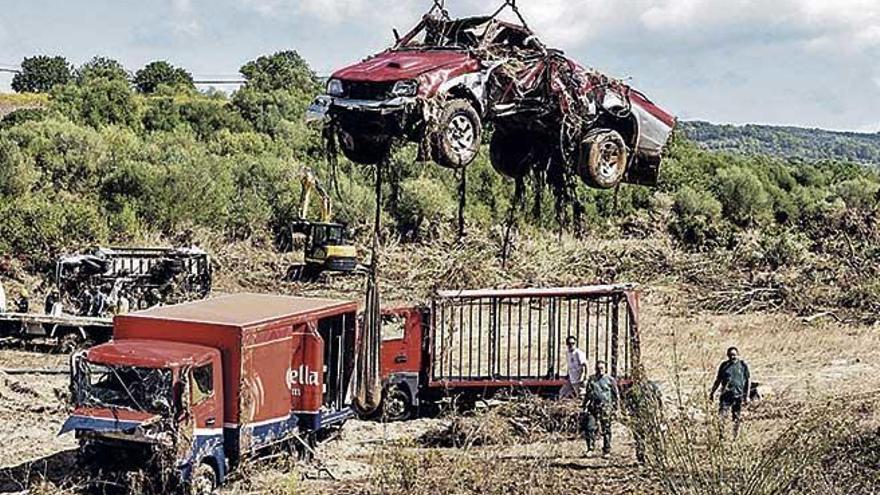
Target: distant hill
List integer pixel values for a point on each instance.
(794, 142)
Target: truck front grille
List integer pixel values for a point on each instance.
(365, 90)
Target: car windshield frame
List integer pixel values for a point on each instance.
(114, 386)
(446, 27)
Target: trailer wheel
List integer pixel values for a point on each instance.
(204, 480)
(396, 405)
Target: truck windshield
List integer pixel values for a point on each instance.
(129, 387)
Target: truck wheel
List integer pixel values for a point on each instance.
(603, 159)
(364, 149)
(396, 405)
(457, 139)
(204, 480)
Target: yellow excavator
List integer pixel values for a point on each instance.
(324, 243)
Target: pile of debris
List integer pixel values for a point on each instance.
(526, 419)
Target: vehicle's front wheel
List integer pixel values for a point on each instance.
(204, 480)
(458, 134)
(364, 149)
(603, 159)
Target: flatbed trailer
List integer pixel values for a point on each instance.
(65, 332)
(474, 344)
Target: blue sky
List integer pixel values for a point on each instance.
(812, 63)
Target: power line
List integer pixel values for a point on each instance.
(11, 71)
(218, 81)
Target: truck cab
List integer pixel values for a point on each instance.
(145, 398)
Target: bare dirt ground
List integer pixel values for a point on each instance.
(796, 361)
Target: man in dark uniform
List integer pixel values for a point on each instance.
(599, 405)
(734, 380)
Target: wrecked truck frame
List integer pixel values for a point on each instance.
(441, 82)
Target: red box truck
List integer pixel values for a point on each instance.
(473, 344)
(190, 391)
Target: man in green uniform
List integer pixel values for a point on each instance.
(734, 380)
(599, 404)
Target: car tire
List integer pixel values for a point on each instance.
(514, 153)
(396, 405)
(603, 159)
(364, 149)
(457, 138)
(204, 480)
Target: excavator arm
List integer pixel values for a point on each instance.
(311, 183)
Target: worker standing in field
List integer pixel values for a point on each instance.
(599, 405)
(577, 370)
(734, 380)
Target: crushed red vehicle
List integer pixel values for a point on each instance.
(475, 344)
(443, 81)
(188, 392)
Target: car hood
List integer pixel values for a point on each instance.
(398, 65)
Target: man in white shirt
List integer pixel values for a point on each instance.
(577, 370)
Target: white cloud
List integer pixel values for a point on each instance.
(183, 18)
(337, 11)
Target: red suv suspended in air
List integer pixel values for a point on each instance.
(445, 79)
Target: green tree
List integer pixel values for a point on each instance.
(159, 73)
(282, 70)
(40, 74)
(101, 67)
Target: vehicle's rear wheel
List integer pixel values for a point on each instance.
(204, 480)
(364, 149)
(603, 158)
(458, 135)
(514, 153)
(396, 405)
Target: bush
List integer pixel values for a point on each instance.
(697, 217)
(67, 157)
(21, 116)
(859, 193)
(17, 172)
(267, 110)
(743, 197)
(424, 204)
(206, 117)
(161, 114)
(39, 227)
(98, 102)
(40, 74)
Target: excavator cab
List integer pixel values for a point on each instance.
(326, 247)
